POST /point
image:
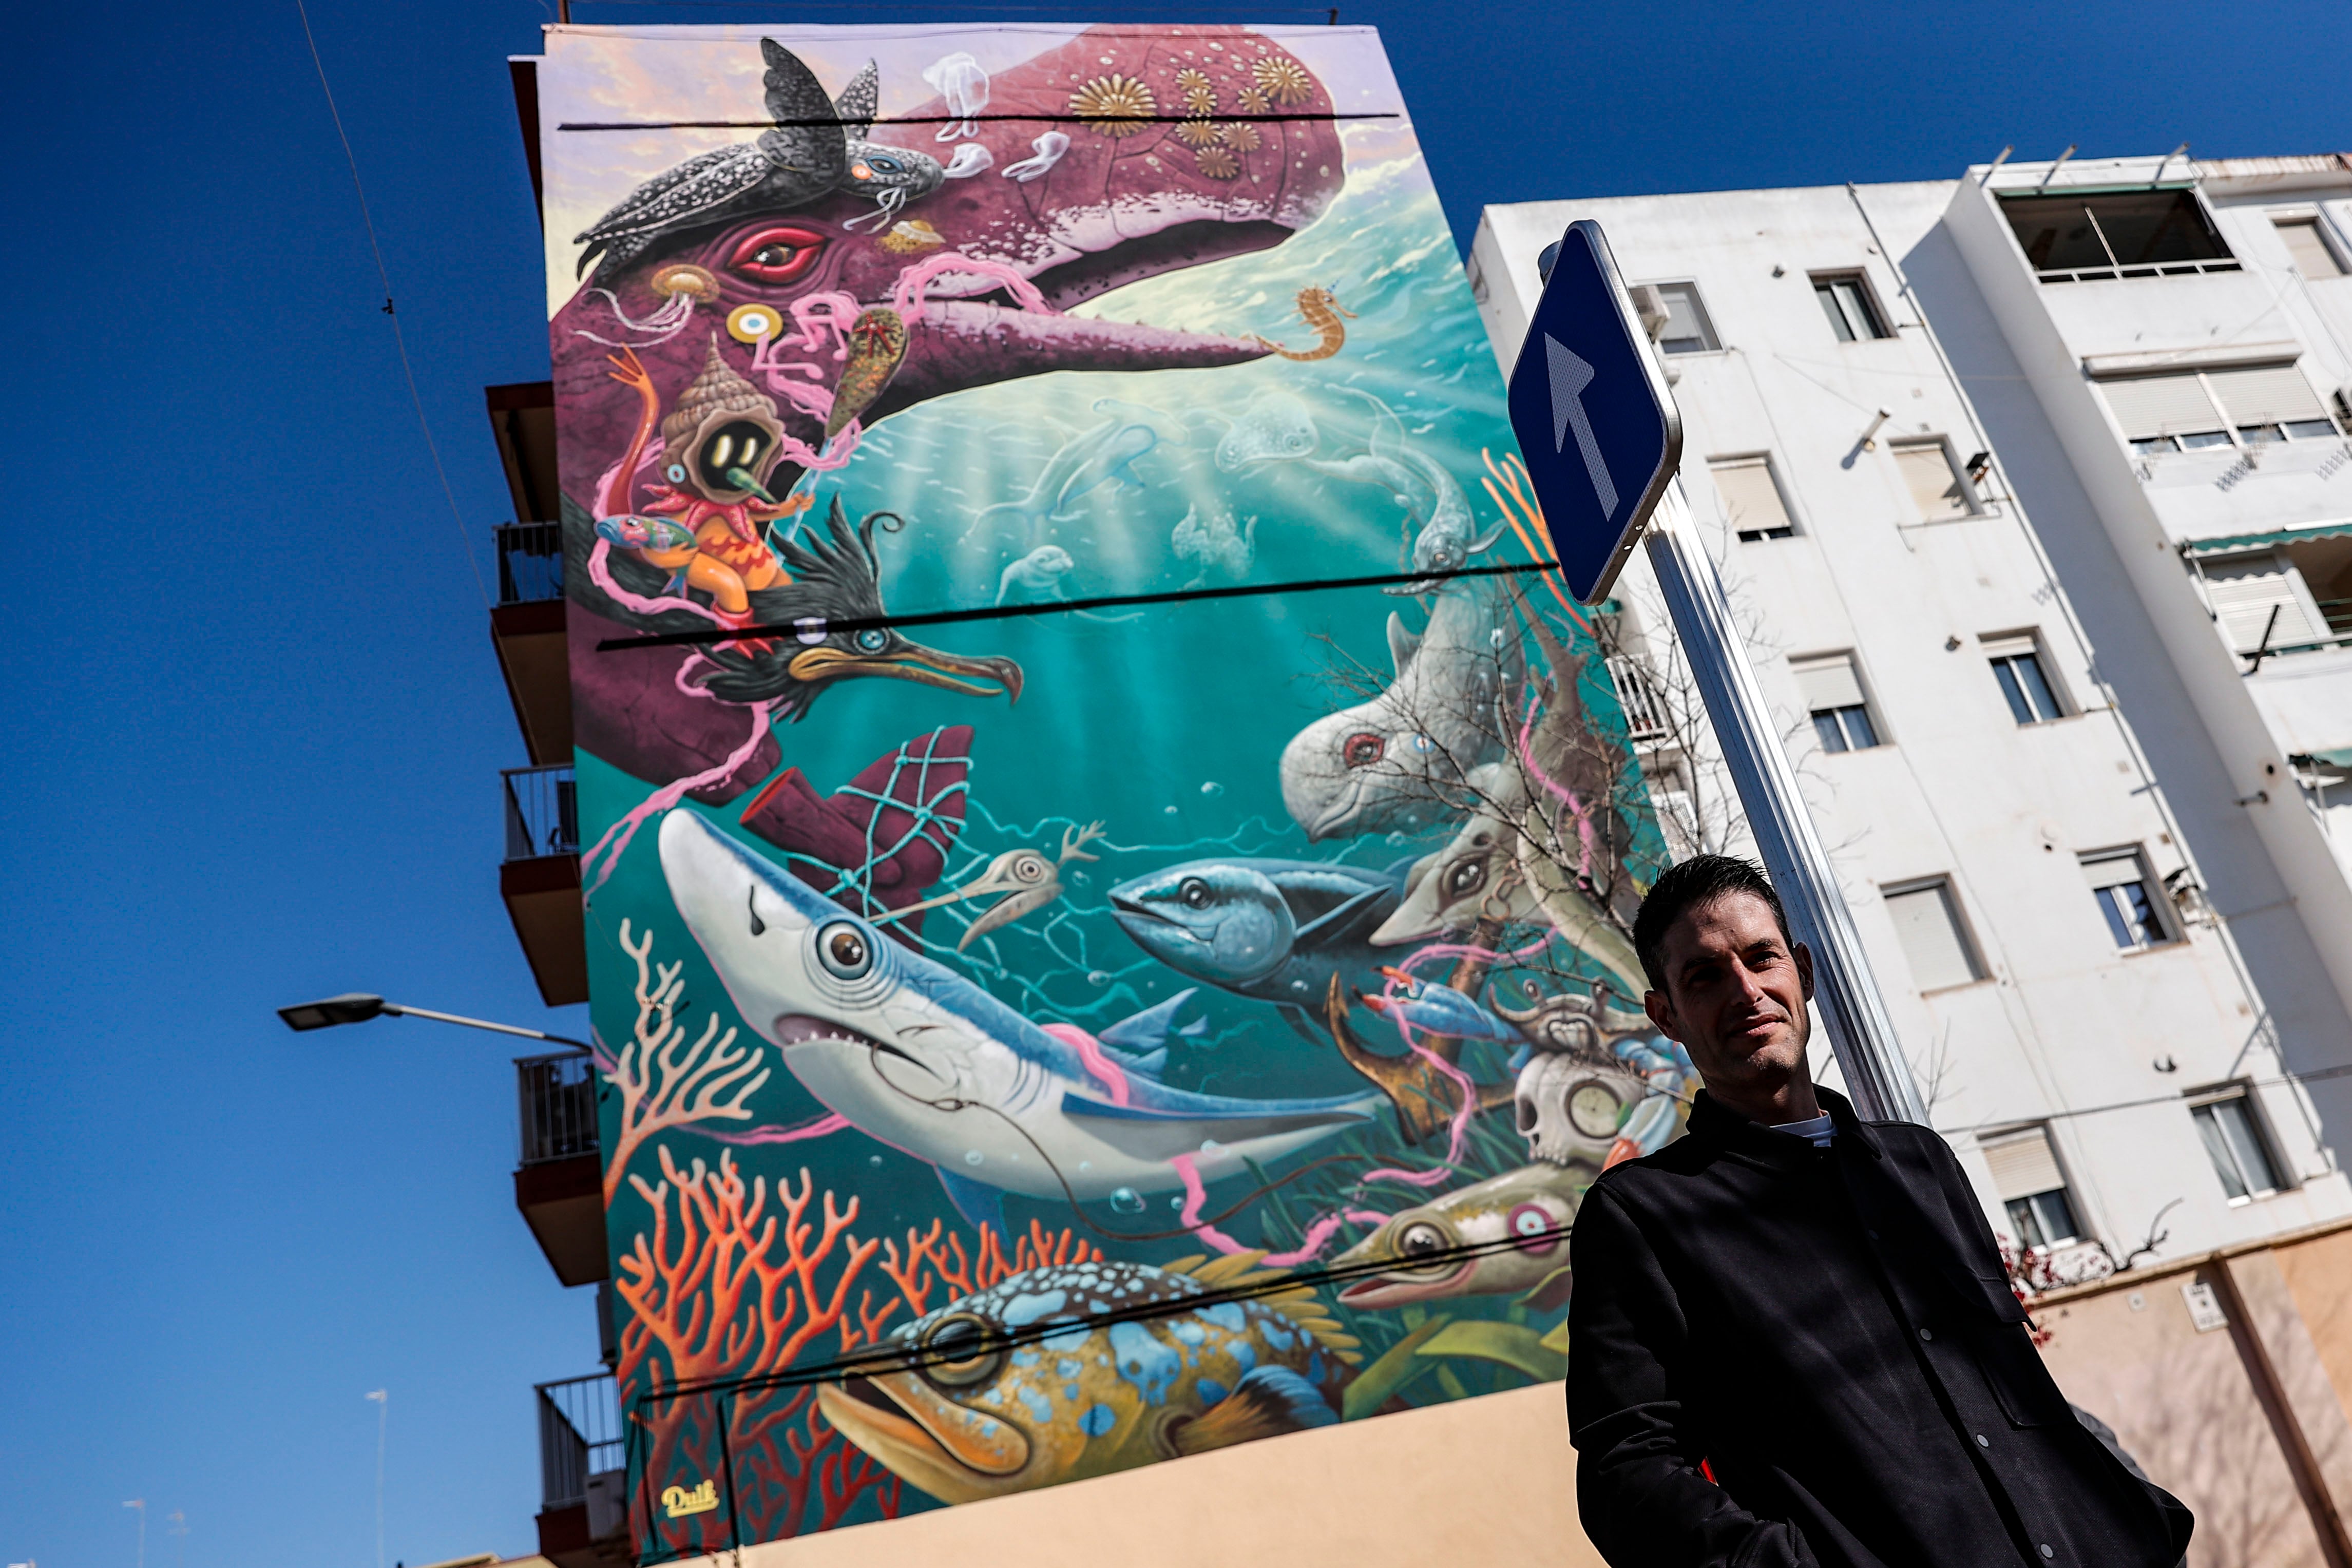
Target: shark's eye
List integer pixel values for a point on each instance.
(1593, 1108)
(884, 165)
(1194, 893)
(873, 639)
(752, 905)
(1466, 877)
(1362, 749)
(959, 1351)
(1422, 1241)
(844, 951)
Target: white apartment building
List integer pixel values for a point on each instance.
(2062, 946)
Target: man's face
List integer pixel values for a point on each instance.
(1735, 995)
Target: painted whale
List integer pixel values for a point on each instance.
(909, 1051)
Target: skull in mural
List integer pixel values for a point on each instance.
(1569, 1107)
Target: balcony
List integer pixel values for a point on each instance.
(540, 880)
(527, 626)
(1646, 712)
(584, 1517)
(560, 1182)
(531, 562)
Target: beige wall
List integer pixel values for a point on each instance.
(1487, 1481)
(2247, 1424)
(2180, 1403)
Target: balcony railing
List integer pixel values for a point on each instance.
(1645, 715)
(531, 562)
(543, 812)
(557, 1097)
(579, 1436)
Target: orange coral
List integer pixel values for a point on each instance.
(928, 1265)
(715, 1299)
(712, 1298)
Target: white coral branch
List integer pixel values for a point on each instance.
(663, 1086)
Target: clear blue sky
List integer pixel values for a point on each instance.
(254, 724)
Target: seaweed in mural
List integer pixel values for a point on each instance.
(1241, 940)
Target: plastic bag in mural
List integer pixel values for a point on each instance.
(1051, 1045)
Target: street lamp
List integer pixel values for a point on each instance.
(357, 1008)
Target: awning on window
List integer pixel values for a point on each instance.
(2231, 544)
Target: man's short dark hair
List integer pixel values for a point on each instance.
(1701, 880)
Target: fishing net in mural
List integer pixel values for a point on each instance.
(1039, 1045)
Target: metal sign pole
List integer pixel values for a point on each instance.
(1846, 995)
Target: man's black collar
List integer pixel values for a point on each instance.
(1730, 1131)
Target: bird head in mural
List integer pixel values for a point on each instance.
(836, 578)
(956, 281)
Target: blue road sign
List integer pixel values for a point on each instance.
(1591, 411)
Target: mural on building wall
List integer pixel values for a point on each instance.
(1103, 1035)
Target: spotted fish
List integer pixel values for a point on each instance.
(978, 1417)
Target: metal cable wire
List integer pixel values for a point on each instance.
(399, 339)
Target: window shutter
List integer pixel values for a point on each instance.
(2312, 259)
(2008, 646)
(2245, 590)
(2266, 395)
(2152, 405)
(1828, 683)
(1750, 499)
(2023, 1164)
(1935, 488)
(1930, 934)
(2105, 871)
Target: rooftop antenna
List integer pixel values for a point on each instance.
(2160, 168)
(383, 1413)
(1994, 167)
(2052, 171)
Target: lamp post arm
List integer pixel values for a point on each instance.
(483, 1023)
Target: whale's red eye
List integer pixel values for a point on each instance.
(776, 254)
(1362, 749)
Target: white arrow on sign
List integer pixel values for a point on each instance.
(1569, 377)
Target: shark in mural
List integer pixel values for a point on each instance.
(910, 1052)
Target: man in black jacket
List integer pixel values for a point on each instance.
(1792, 1341)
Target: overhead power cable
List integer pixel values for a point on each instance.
(814, 630)
(399, 339)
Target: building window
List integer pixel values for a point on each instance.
(2233, 1139)
(2017, 667)
(2260, 603)
(1832, 695)
(1751, 497)
(2126, 898)
(2185, 411)
(2123, 234)
(2307, 245)
(1928, 922)
(1938, 487)
(1845, 301)
(1687, 330)
(2032, 1188)
(2270, 403)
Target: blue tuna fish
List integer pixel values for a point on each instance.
(909, 1051)
(1275, 930)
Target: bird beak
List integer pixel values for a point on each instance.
(912, 661)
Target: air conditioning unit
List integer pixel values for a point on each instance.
(1651, 307)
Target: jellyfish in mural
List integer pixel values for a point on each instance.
(958, 79)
